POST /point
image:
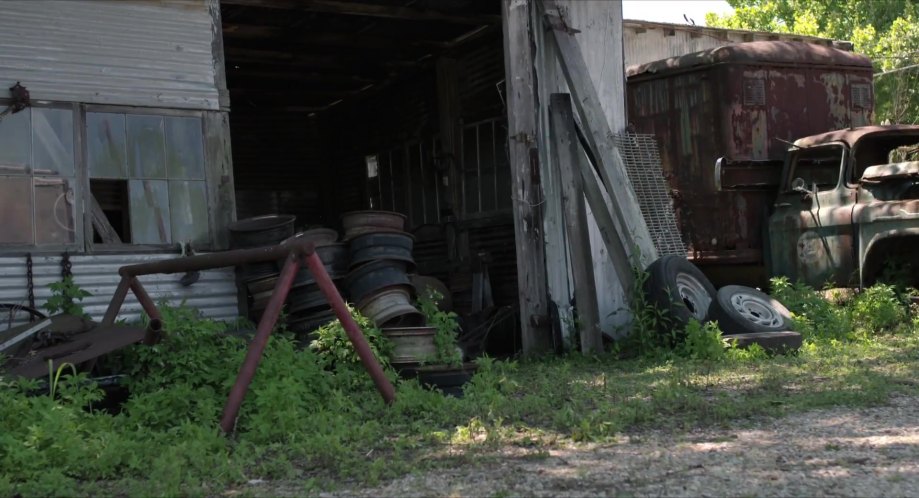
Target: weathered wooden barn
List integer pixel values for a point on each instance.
(434, 109)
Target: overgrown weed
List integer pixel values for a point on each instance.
(306, 420)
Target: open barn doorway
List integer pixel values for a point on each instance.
(395, 105)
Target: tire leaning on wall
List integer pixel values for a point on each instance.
(679, 289)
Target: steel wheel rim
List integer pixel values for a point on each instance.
(757, 310)
(694, 295)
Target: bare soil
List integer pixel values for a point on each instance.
(859, 452)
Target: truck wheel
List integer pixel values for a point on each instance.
(741, 310)
(680, 289)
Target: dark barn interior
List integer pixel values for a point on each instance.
(379, 104)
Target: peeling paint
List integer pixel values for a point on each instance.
(697, 107)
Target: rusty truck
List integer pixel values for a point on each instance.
(774, 167)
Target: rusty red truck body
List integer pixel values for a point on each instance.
(726, 120)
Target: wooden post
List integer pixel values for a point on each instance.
(567, 157)
(448, 110)
(599, 136)
(221, 194)
(524, 164)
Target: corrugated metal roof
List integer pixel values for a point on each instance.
(143, 53)
(646, 41)
(214, 293)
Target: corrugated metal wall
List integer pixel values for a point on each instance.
(214, 293)
(648, 41)
(143, 53)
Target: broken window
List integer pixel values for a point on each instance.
(159, 162)
(37, 180)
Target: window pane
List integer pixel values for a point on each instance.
(146, 147)
(105, 145)
(184, 148)
(149, 211)
(54, 210)
(15, 142)
(52, 136)
(820, 166)
(15, 210)
(188, 210)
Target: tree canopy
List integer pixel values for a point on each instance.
(887, 31)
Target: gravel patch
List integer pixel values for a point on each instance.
(836, 452)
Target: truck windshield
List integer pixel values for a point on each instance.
(816, 165)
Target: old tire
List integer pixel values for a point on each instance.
(680, 289)
(743, 310)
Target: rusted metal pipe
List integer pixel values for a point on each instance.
(351, 328)
(154, 332)
(219, 259)
(146, 302)
(262, 333)
(117, 300)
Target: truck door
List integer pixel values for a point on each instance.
(810, 231)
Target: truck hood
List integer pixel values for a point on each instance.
(892, 211)
(895, 171)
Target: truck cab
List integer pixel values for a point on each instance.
(847, 211)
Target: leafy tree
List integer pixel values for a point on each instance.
(887, 31)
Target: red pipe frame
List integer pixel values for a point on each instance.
(295, 253)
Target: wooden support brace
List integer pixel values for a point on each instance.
(101, 223)
(567, 157)
(599, 136)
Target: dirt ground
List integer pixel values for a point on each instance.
(859, 452)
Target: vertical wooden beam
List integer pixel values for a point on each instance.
(217, 54)
(524, 164)
(81, 157)
(218, 167)
(599, 135)
(448, 110)
(567, 157)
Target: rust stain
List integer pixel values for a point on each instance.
(707, 105)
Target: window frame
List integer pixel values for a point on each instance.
(79, 231)
(83, 229)
(840, 171)
(90, 245)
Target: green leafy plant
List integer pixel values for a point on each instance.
(652, 329)
(333, 348)
(812, 314)
(55, 377)
(878, 308)
(446, 329)
(703, 342)
(64, 295)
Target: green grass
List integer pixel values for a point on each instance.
(317, 427)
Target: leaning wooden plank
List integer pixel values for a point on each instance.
(616, 245)
(100, 222)
(524, 163)
(599, 135)
(16, 335)
(567, 155)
